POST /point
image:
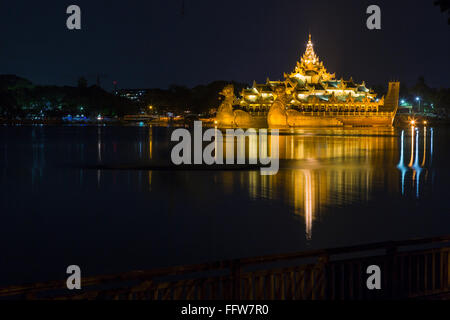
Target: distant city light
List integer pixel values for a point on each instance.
(425, 122)
(417, 98)
(413, 122)
(402, 101)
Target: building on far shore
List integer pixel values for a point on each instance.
(404, 107)
(131, 94)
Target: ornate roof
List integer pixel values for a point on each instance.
(310, 81)
(310, 68)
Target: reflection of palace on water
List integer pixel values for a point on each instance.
(319, 171)
(326, 170)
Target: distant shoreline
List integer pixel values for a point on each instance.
(118, 122)
(401, 120)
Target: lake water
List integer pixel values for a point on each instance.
(335, 187)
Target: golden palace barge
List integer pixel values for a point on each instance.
(309, 96)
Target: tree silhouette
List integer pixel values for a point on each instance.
(82, 82)
(445, 7)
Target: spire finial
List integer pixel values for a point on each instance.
(309, 56)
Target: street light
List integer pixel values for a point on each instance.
(418, 99)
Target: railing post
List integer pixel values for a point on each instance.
(447, 270)
(236, 279)
(323, 263)
(391, 252)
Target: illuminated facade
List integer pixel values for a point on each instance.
(310, 96)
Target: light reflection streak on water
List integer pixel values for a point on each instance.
(308, 204)
(403, 169)
(416, 166)
(431, 146)
(424, 146)
(150, 144)
(99, 145)
(99, 155)
(98, 178)
(412, 147)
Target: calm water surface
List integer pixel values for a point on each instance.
(335, 187)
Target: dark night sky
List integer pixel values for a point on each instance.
(145, 44)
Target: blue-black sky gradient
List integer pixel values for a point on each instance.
(146, 44)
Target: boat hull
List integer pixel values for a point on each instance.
(354, 120)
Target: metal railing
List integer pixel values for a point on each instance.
(332, 113)
(410, 269)
(346, 113)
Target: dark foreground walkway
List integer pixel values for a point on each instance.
(412, 269)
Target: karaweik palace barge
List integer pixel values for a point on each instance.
(308, 97)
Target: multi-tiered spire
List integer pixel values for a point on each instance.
(310, 69)
(310, 56)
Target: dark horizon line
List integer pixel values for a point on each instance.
(111, 86)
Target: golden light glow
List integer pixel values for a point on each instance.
(308, 96)
(320, 177)
(412, 147)
(413, 122)
(424, 146)
(308, 203)
(314, 88)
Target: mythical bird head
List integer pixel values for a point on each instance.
(227, 91)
